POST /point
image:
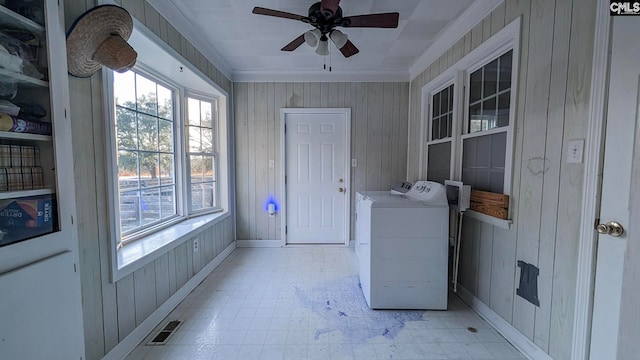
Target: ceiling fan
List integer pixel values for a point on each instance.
(325, 16)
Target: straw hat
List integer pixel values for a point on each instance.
(99, 37)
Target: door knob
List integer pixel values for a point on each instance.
(611, 228)
(341, 189)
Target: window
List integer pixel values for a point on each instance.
(202, 115)
(472, 140)
(145, 152)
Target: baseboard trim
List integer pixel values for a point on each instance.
(129, 343)
(517, 339)
(258, 243)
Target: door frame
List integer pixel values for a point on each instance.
(347, 164)
(593, 167)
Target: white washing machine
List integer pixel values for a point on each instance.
(402, 247)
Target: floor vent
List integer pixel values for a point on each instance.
(163, 336)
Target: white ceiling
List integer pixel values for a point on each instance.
(250, 43)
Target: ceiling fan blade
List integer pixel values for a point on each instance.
(294, 44)
(349, 49)
(384, 20)
(276, 13)
(331, 5)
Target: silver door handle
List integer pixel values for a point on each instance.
(612, 228)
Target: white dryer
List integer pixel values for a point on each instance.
(402, 246)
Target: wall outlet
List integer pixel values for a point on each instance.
(196, 245)
(575, 151)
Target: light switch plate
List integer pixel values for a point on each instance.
(272, 164)
(575, 151)
(354, 163)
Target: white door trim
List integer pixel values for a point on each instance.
(591, 191)
(347, 173)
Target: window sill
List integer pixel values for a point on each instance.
(505, 224)
(137, 254)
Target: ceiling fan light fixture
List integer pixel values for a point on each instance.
(312, 37)
(339, 38)
(323, 47)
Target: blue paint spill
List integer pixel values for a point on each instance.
(342, 305)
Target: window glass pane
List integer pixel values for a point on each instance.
(475, 118)
(505, 70)
(148, 132)
(435, 129)
(444, 131)
(128, 170)
(124, 88)
(475, 86)
(167, 201)
(444, 101)
(129, 210)
(166, 169)
(504, 101)
(436, 105)
(147, 100)
(149, 168)
(489, 120)
(205, 114)
(197, 168)
(202, 196)
(195, 142)
(165, 103)
(150, 206)
(193, 111)
(165, 136)
(208, 169)
(207, 140)
(490, 78)
(126, 129)
(450, 98)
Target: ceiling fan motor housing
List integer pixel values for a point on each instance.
(325, 20)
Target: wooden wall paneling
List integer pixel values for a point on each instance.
(183, 47)
(475, 256)
(182, 270)
(503, 269)
(219, 241)
(476, 35)
(514, 9)
(467, 273)
(109, 301)
(173, 271)
(497, 18)
(242, 159)
(207, 246)
(261, 161)
(164, 30)
(90, 272)
(173, 38)
(144, 285)
(404, 128)
(534, 127)
(315, 93)
(444, 64)
(467, 44)
(396, 124)
(386, 163)
(361, 107)
(414, 123)
(272, 130)
(324, 95)
(298, 95)
(576, 110)
(135, 8)
(190, 268)
(553, 156)
(251, 150)
(333, 93)
(191, 54)
(162, 279)
(280, 102)
(151, 18)
(458, 50)
(374, 139)
(125, 293)
(485, 262)
(486, 28)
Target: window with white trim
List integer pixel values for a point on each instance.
(476, 146)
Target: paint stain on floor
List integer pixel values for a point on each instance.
(341, 304)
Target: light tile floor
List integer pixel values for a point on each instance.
(305, 303)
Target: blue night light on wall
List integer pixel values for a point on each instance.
(271, 206)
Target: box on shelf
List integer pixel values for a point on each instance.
(21, 178)
(19, 156)
(24, 218)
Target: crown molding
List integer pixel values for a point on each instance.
(453, 32)
(176, 17)
(321, 76)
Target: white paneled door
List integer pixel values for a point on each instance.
(622, 119)
(316, 175)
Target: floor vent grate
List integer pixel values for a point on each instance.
(163, 336)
